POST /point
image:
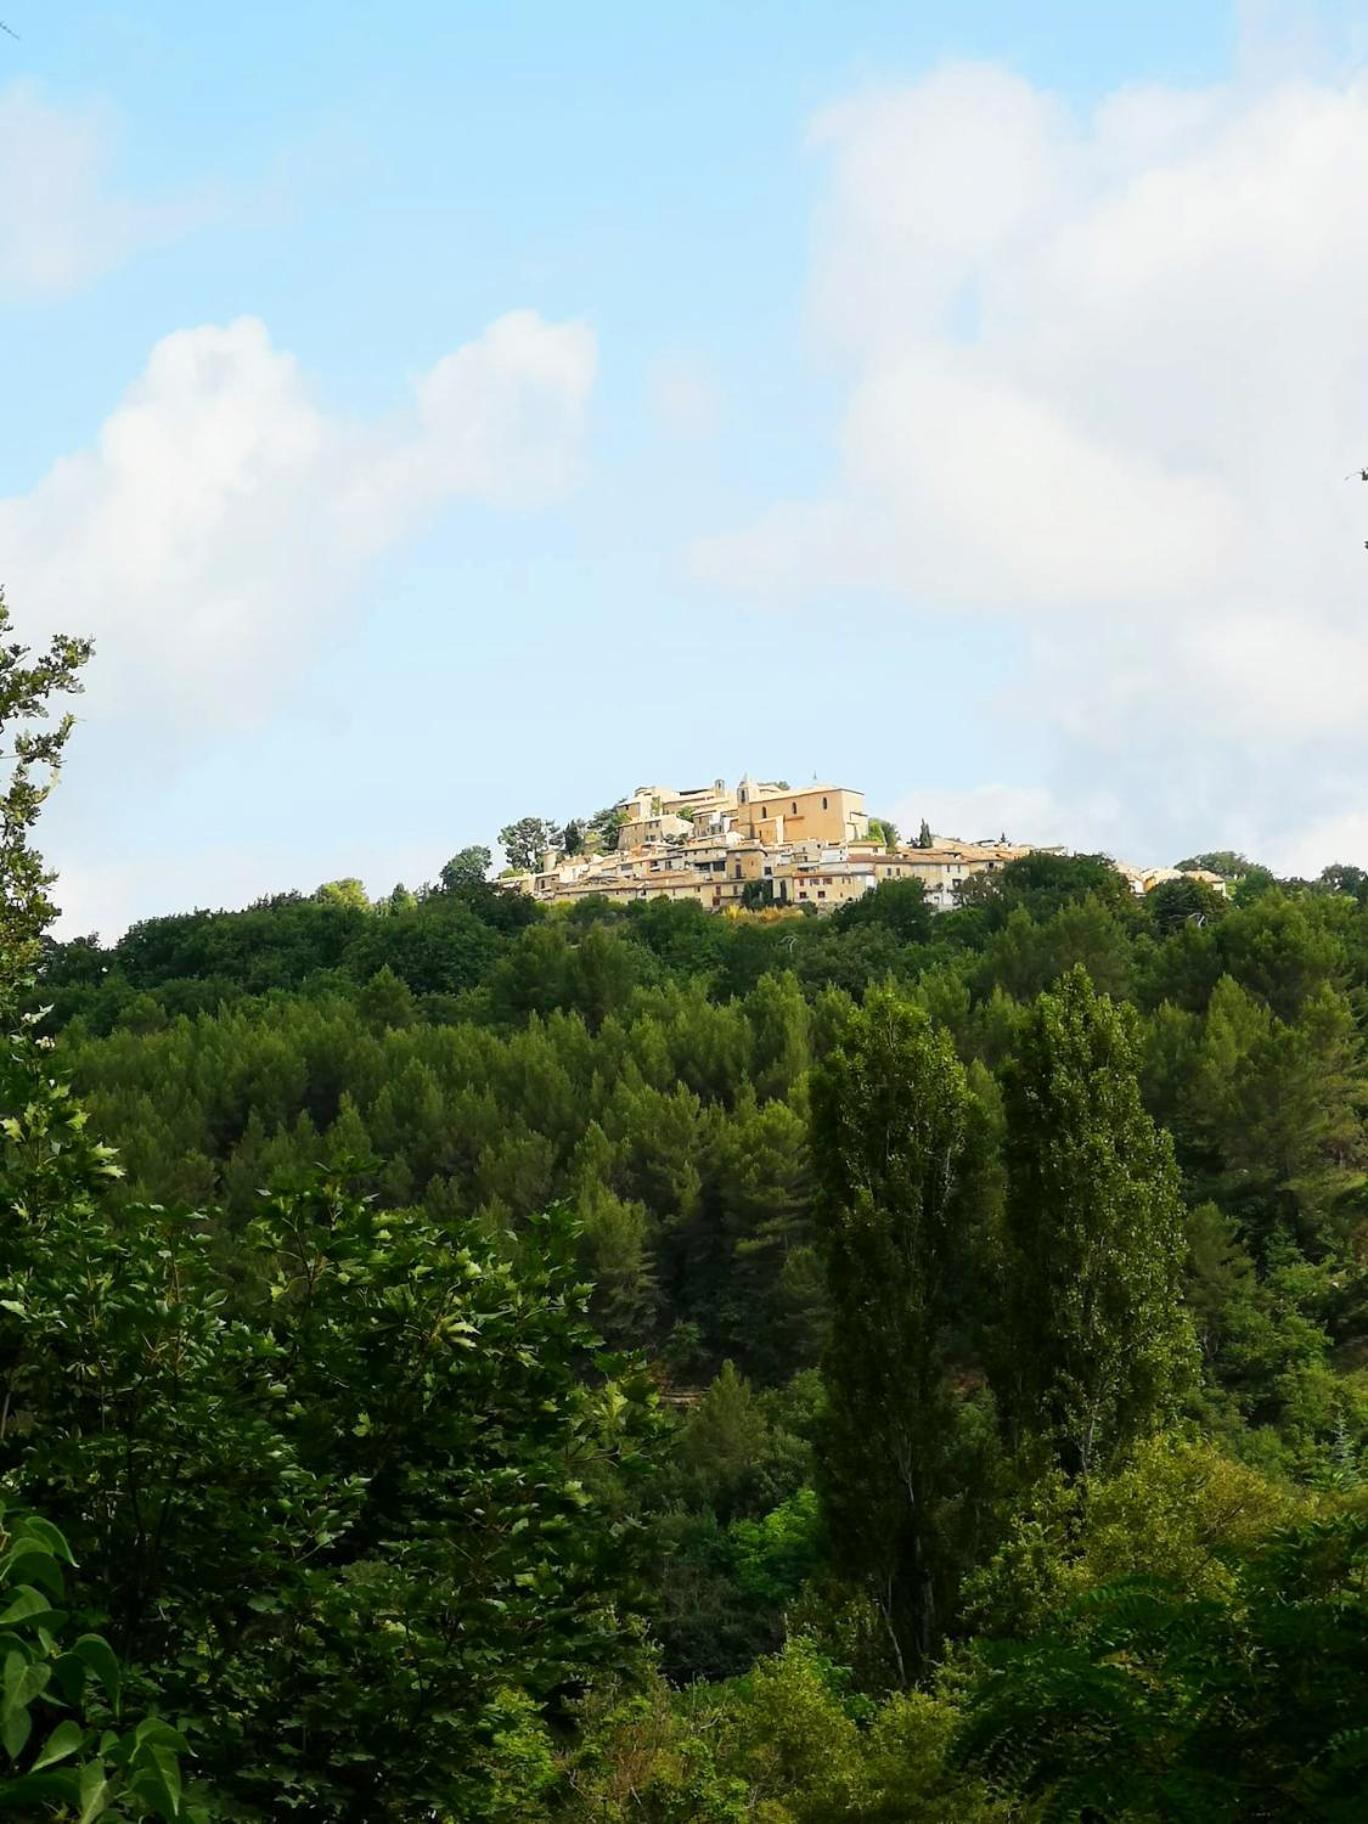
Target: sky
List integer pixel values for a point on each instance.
(440, 413)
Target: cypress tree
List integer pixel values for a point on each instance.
(1097, 1346)
(890, 1134)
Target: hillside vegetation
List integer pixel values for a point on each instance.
(635, 1365)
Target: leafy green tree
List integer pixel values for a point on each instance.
(1145, 1700)
(601, 830)
(1275, 1111)
(1174, 903)
(334, 1525)
(890, 1142)
(468, 867)
(1226, 862)
(777, 1553)
(1178, 1508)
(527, 840)
(349, 892)
(1181, 968)
(790, 1742)
(1342, 877)
(780, 1026)
(884, 830)
(900, 906)
(1283, 949)
(62, 1706)
(1097, 1349)
(1253, 884)
(1042, 884)
(1031, 952)
(35, 746)
(722, 1441)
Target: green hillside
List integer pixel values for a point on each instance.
(489, 1362)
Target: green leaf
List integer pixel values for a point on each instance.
(33, 1681)
(51, 1536)
(93, 1792)
(153, 1732)
(32, 1562)
(16, 1725)
(96, 1653)
(27, 1604)
(157, 1782)
(69, 1670)
(63, 1787)
(17, 1662)
(65, 1739)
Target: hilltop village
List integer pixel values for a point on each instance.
(766, 843)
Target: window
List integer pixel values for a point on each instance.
(824, 804)
(795, 807)
(821, 896)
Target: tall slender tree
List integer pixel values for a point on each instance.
(1097, 1346)
(890, 1132)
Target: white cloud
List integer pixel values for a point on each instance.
(61, 220)
(1106, 374)
(222, 517)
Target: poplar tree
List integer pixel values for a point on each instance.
(890, 1139)
(1097, 1346)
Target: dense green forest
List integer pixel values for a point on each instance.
(466, 1361)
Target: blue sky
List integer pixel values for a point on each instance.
(709, 508)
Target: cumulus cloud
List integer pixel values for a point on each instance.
(222, 515)
(1106, 374)
(62, 221)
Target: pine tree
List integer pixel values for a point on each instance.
(1098, 1346)
(386, 1001)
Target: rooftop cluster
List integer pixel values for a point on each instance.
(759, 843)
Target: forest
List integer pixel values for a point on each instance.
(464, 1360)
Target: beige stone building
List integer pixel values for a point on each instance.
(946, 865)
(764, 842)
(811, 813)
(1145, 880)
